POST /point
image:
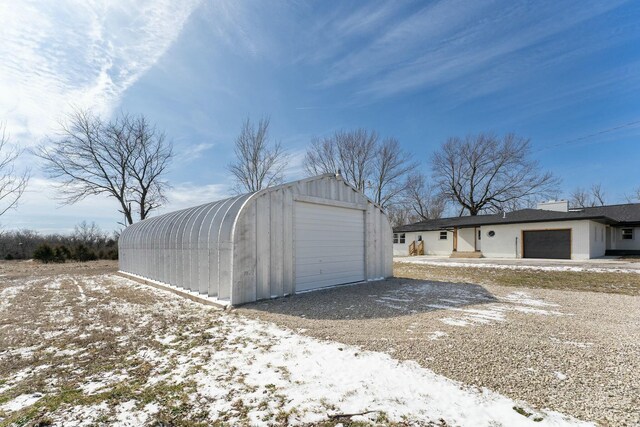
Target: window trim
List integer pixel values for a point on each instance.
(444, 235)
(399, 238)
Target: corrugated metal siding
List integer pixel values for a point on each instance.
(185, 248)
(242, 248)
(274, 253)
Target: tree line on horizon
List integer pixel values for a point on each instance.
(126, 158)
(87, 242)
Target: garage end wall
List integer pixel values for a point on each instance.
(263, 243)
(507, 241)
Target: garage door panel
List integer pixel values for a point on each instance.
(319, 233)
(335, 251)
(328, 268)
(329, 245)
(550, 244)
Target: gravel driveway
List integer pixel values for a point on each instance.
(574, 352)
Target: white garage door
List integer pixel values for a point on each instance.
(329, 245)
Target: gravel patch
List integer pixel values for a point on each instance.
(573, 352)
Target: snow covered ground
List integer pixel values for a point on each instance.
(464, 305)
(519, 264)
(81, 350)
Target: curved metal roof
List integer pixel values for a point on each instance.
(188, 248)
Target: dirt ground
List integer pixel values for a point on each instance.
(573, 351)
(85, 345)
(82, 347)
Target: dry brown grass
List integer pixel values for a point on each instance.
(63, 331)
(31, 268)
(614, 282)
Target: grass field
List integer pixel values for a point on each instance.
(607, 282)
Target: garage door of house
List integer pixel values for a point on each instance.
(555, 244)
(328, 245)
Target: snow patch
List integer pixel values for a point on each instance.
(560, 375)
(436, 335)
(21, 402)
(315, 376)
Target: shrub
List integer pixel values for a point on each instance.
(82, 253)
(44, 253)
(61, 254)
(112, 254)
(8, 257)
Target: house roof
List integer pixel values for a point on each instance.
(627, 214)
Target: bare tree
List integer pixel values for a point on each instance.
(423, 200)
(581, 198)
(378, 168)
(351, 152)
(150, 157)
(12, 182)
(400, 214)
(484, 172)
(259, 161)
(123, 158)
(391, 167)
(633, 197)
(88, 234)
(598, 194)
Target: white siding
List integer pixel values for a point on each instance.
(617, 243)
(329, 245)
(466, 239)
(597, 239)
(507, 242)
(433, 245)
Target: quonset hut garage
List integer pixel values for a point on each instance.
(307, 234)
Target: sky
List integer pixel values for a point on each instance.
(564, 74)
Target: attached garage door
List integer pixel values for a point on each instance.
(555, 244)
(329, 245)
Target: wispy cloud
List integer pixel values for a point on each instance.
(86, 54)
(446, 41)
(188, 153)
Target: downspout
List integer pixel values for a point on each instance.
(516, 246)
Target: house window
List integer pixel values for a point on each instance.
(627, 234)
(419, 238)
(479, 234)
(398, 237)
(443, 235)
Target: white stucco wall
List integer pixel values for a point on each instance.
(597, 239)
(432, 243)
(617, 243)
(589, 239)
(507, 241)
(466, 239)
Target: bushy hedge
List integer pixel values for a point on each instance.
(46, 254)
(86, 243)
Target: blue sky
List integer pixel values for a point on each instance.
(564, 74)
